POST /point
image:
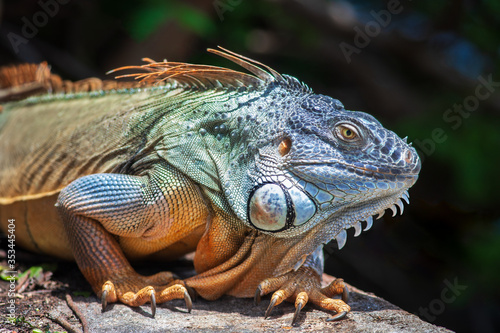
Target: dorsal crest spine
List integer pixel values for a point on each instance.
(22, 81)
(204, 76)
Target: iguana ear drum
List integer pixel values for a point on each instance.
(272, 208)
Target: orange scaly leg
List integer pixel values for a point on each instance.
(97, 208)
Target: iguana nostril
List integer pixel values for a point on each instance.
(408, 156)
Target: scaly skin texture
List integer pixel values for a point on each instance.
(252, 172)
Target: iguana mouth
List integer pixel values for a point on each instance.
(377, 172)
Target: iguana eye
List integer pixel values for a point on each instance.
(347, 133)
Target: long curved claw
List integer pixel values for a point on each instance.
(187, 299)
(192, 293)
(270, 307)
(258, 295)
(153, 303)
(338, 316)
(278, 297)
(296, 314)
(104, 300)
(345, 295)
(300, 302)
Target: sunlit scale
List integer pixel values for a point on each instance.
(304, 207)
(268, 208)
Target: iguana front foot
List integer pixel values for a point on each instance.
(159, 288)
(302, 286)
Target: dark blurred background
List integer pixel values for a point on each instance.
(427, 69)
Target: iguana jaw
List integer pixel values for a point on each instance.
(376, 207)
(356, 200)
(328, 225)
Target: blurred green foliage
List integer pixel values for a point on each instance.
(141, 19)
(153, 13)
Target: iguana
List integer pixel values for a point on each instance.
(253, 172)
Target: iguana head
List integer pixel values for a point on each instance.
(332, 167)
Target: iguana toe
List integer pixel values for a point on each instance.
(108, 294)
(300, 302)
(176, 291)
(275, 300)
(138, 290)
(327, 303)
(336, 287)
(302, 286)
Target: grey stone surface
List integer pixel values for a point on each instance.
(369, 314)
